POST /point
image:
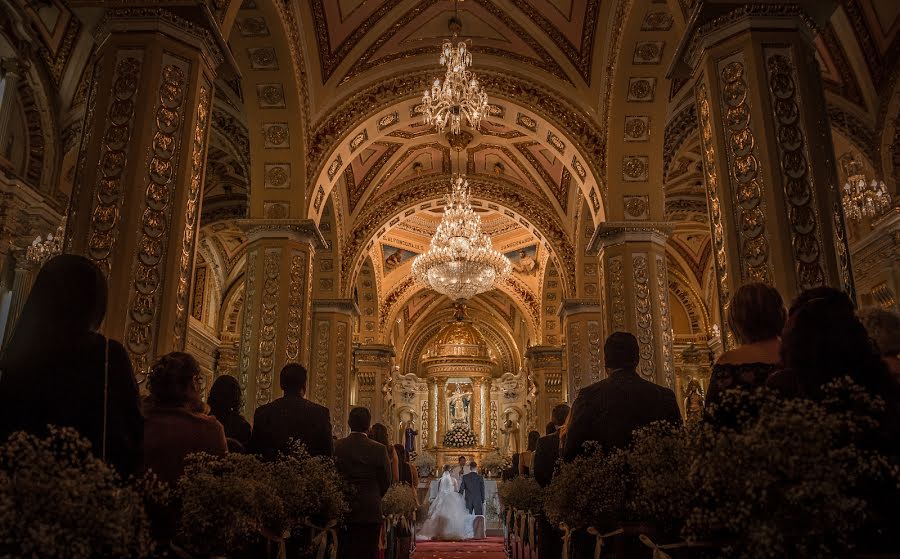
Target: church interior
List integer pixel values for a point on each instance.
(256, 179)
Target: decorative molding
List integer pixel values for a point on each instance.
(617, 293)
(149, 260)
(618, 232)
(795, 168)
(296, 298)
(299, 230)
(322, 353)
(665, 322)
(744, 166)
(643, 313)
(247, 329)
(265, 357)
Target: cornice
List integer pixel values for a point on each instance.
(378, 350)
(192, 24)
(338, 306)
(299, 230)
(616, 233)
(570, 307)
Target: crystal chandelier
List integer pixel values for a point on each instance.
(460, 262)
(460, 95)
(42, 250)
(864, 201)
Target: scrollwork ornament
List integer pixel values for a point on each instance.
(749, 206)
(265, 357)
(247, 330)
(798, 190)
(108, 192)
(643, 313)
(340, 375)
(191, 216)
(595, 344)
(323, 341)
(711, 179)
(296, 292)
(665, 322)
(617, 293)
(163, 159)
(575, 356)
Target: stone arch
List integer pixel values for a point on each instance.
(371, 115)
(416, 195)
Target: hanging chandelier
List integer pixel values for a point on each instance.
(42, 250)
(461, 262)
(862, 199)
(865, 201)
(460, 95)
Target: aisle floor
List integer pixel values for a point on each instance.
(488, 548)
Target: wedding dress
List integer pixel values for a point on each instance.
(448, 519)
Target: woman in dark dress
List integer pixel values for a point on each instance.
(225, 405)
(526, 459)
(58, 370)
(756, 318)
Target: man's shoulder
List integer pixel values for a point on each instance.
(598, 387)
(549, 440)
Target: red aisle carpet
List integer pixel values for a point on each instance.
(488, 548)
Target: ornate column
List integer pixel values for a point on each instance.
(373, 368)
(636, 289)
(546, 363)
(137, 194)
(477, 395)
(440, 412)
(770, 174)
(582, 322)
(22, 281)
(277, 304)
(431, 435)
(329, 381)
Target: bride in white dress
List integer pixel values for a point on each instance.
(447, 515)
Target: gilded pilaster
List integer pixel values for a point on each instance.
(429, 424)
(582, 320)
(23, 279)
(372, 370)
(477, 396)
(546, 363)
(277, 304)
(440, 414)
(137, 205)
(333, 351)
(768, 157)
(637, 291)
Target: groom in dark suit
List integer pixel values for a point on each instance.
(472, 487)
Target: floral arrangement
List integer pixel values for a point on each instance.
(589, 491)
(310, 488)
(659, 485)
(790, 479)
(228, 503)
(57, 500)
(495, 462)
(426, 462)
(399, 501)
(460, 436)
(521, 493)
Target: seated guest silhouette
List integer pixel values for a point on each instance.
(607, 412)
(57, 369)
(291, 418)
(547, 452)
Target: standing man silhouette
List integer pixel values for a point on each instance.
(472, 488)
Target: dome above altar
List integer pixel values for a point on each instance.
(459, 338)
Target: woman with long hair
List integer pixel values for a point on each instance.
(57, 369)
(225, 405)
(378, 432)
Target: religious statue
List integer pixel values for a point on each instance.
(693, 402)
(409, 436)
(510, 432)
(459, 407)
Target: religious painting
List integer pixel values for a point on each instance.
(394, 257)
(524, 260)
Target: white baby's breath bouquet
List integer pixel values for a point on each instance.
(399, 501)
(57, 500)
(495, 462)
(521, 493)
(425, 461)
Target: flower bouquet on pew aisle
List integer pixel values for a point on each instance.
(57, 500)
